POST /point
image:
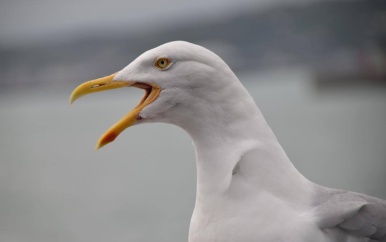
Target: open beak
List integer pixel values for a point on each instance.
(106, 83)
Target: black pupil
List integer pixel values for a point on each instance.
(162, 62)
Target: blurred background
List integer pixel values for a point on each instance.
(317, 70)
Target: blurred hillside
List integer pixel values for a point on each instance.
(336, 40)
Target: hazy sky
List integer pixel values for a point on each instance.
(24, 21)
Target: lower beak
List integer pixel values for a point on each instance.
(106, 83)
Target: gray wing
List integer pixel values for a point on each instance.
(352, 214)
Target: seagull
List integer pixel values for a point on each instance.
(247, 188)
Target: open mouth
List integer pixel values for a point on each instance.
(107, 83)
(151, 93)
(147, 88)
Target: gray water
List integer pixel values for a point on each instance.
(55, 187)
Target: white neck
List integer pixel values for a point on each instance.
(248, 142)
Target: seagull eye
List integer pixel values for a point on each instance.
(162, 63)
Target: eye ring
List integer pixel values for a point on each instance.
(162, 63)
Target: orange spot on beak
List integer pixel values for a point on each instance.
(107, 138)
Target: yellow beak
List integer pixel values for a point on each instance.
(106, 83)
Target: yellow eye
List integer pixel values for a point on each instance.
(162, 63)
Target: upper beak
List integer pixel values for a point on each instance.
(106, 83)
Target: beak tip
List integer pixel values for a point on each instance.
(71, 100)
(105, 139)
(73, 97)
(98, 145)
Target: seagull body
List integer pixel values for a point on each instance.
(247, 188)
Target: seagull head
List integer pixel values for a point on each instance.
(185, 84)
